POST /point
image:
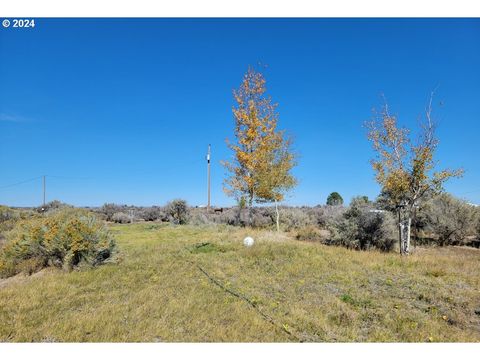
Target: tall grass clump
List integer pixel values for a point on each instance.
(66, 239)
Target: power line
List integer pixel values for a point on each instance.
(68, 177)
(208, 177)
(44, 191)
(470, 192)
(20, 182)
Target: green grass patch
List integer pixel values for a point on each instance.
(206, 247)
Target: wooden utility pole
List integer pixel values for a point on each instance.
(208, 177)
(44, 186)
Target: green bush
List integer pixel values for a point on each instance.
(66, 239)
(334, 199)
(363, 227)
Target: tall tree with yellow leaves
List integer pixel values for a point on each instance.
(405, 170)
(260, 170)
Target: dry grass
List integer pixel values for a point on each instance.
(313, 292)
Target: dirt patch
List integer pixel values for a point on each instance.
(273, 236)
(23, 278)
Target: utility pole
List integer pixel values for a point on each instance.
(44, 186)
(208, 178)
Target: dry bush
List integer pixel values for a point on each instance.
(153, 213)
(177, 211)
(200, 217)
(108, 210)
(262, 217)
(52, 206)
(292, 218)
(325, 215)
(121, 218)
(452, 220)
(232, 216)
(312, 233)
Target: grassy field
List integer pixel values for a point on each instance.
(201, 284)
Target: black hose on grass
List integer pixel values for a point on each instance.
(250, 302)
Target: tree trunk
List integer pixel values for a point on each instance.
(250, 214)
(278, 216)
(404, 230)
(400, 230)
(238, 219)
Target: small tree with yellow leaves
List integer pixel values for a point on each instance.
(406, 170)
(273, 177)
(260, 170)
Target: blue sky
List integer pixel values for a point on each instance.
(122, 110)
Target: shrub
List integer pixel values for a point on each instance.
(261, 217)
(152, 214)
(377, 230)
(478, 227)
(52, 206)
(344, 233)
(121, 218)
(66, 238)
(7, 214)
(109, 209)
(452, 220)
(233, 216)
(200, 217)
(312, 233)
(294, 218)
(177, 211)
(325, 215)
(8, 218)
(334, 199)
(363, 227)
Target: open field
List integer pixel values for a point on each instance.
(278, 290)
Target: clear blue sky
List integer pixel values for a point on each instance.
(122, 110)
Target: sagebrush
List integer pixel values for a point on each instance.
(67, 238)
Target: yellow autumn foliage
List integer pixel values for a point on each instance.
(66, 238)
(260, 170)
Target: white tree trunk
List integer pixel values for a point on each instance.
(405, 230)
(278, 216)
(250, 211)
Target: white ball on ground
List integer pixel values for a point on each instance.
(248, 241)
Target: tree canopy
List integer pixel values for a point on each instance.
(263, 159)
(334, 199)
(405, 169)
